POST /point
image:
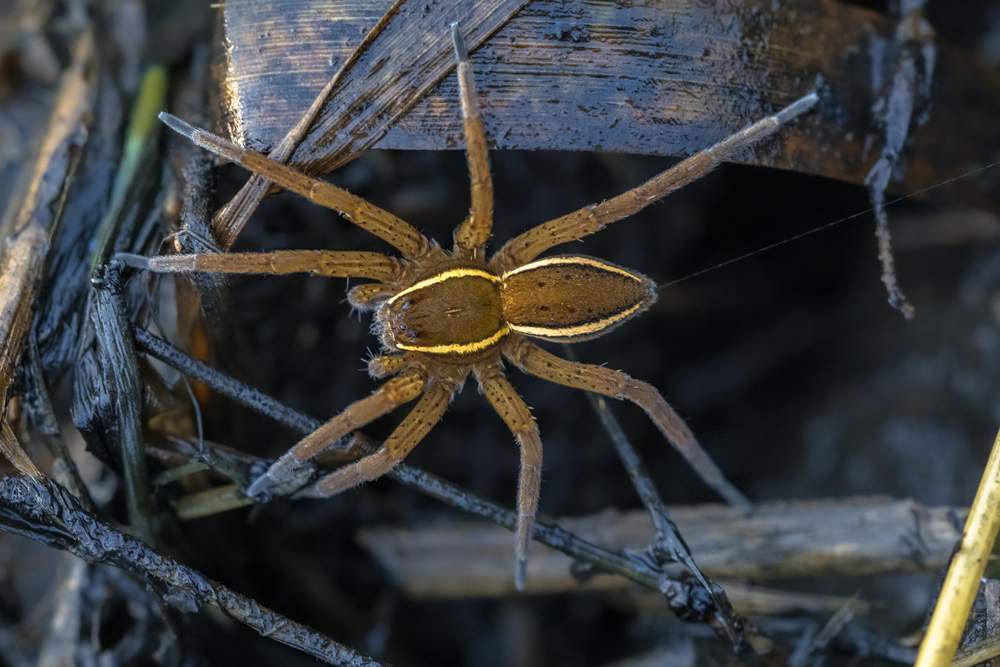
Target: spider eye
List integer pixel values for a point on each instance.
(399, 314)
(402, 327)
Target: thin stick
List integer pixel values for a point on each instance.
(551, 535)
(669, 542)
(43, 511)
(967, 566)
(224, 384)
(668, 537)
(682, 596)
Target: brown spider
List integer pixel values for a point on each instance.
(443, 315)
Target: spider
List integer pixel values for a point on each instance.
(442, 316)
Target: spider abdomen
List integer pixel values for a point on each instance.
(454, 313)
(572, 297)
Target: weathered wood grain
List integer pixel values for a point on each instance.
(751, 601)
(375, 79)
(849, 536)
(28, 221)
(663, 77)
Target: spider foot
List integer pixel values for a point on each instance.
(525, 532)
(283, 478)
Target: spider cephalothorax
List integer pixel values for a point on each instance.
(442, 316)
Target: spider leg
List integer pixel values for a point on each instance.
(425, 414)
(401, 235)
(535, 361)
(524, 248)
(345, 264)
(474, 232)
(517, 416)
(388, 397)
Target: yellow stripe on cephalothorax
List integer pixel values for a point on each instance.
(443, 276)
(458, 348)
(570, 259)
(578, 330)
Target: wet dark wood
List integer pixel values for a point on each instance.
(28, 223)
(663, 77)
(383, 60)
(41, 510)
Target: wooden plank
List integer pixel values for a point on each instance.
(847, 536)
(662, 77)
(389, 60)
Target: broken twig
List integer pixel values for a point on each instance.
(43, 511)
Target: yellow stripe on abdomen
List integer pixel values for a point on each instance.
(570, 298)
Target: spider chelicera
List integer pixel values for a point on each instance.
(442, 316)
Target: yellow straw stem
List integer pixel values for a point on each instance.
(960, 586)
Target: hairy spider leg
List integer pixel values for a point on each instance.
(343, 264)
(475, 230)
(471, 236)
(400, 234)
(425, 414)
(533, 360)
(524, 248)
(516, 414)
(385, 399)
(335, 264)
